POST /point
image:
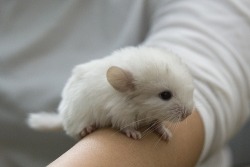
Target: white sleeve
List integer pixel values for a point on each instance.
(213, 38)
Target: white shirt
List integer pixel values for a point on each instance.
(41, 41)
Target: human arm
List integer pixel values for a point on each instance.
(109, 148)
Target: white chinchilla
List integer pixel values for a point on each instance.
(132, 87)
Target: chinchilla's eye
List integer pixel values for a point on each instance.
(166, 95)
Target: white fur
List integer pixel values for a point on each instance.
(44, 121)
(89, 99)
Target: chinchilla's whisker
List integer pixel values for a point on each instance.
(117, 131)
(173, 121)
(171, 118)
(141, 120)
(134, 122)
(152, 127)
(176, 126)
(170, 124)
(158, 141)
(149, 130)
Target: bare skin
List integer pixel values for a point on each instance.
(109, 148)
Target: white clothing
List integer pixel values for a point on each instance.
(41, 41)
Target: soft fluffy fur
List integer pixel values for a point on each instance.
(89, 98)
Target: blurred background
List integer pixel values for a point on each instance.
(240, 146)
(38, 48)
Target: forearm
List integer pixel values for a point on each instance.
(109, 148)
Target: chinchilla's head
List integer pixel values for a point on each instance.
(157, 83)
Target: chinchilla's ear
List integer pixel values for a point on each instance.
(120, 79)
